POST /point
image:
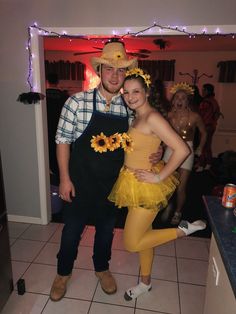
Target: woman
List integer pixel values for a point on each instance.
(185, 122)
(145, 189)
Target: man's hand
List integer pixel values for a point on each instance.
(156, 157)
(66, 191)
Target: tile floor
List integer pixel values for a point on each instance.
(178, 279)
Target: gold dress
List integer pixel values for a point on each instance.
(128, 191)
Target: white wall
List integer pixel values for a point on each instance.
(17, 121)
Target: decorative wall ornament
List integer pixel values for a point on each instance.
(195, 77)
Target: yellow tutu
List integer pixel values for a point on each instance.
(129, 192)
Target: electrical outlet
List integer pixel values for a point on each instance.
(216, 272)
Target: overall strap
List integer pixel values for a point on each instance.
(94, 99)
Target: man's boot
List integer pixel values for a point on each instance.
(58, 289)
(107, 281)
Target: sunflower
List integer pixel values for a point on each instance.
(182, 86)
(117, 55)
(114, 141)
(139, 72)
(127, 143)
(100, 143)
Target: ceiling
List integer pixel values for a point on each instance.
(140, 44)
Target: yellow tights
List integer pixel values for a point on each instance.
(139, 236)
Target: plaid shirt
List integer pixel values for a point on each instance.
(77, 113)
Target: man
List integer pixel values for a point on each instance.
(87, 176)
(55, 99)
(209, 110)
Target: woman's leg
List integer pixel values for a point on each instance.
(139, 236)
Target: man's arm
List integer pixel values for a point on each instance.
(66, 187)
(156, 157)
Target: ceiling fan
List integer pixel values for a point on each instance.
(140, 53)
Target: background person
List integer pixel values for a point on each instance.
(209, 110)
(185, 122)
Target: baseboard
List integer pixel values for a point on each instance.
(25, 219)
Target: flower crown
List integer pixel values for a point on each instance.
(139, 72)
(182, 86)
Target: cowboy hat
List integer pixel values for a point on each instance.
(114, 55)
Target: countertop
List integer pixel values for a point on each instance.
(223, 225)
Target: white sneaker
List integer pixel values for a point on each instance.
(199, 169)
(189, 228)
(136, 291)
(207, 167)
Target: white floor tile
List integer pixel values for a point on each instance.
(164, 267)
(192, 271)
(82, 285)
(16, 228)
(167, 249)
(123, 283)
(84, 258)
(192, 299)
(163, 297)
(69, 306)
(194, 238)
(28, 303)
(124, 262)
(56, 238)
(40, 232)
(84, 294)
(39, 278)
(18, 269)
(12, 241)
(99, 308)
(192, 249)
(25, 250)
(88, 236)
(48, 254)
(118, 241)
(138, 311)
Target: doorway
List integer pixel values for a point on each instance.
(40, 113)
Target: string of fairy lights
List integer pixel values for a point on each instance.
(161, 28)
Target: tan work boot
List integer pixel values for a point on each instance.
(58, 289)
(107, 281)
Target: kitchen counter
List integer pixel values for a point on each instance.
(223, 225)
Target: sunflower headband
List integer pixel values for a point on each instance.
(139, 72)
(182, 86)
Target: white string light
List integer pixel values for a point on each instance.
(129, 33)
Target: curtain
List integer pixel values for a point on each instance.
(66, 70)
(159, 69)
(227, 71)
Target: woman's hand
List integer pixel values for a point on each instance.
(147, 176)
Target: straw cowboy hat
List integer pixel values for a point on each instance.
(114, 55)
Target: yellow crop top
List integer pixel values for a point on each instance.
(143, 146)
